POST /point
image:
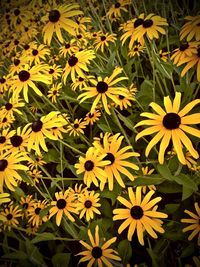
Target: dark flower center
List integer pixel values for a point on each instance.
(54, 15)
(79, 36)
(26, 46)
(16, 42)
(2, 80)
(37, 126)
(8, 106)
(67, 46)
(9, 216)
(88, 204)
(121, 97)
(96, 252)
(72, 61)
(76, 125)
(51, 71)
(117, 5)
(138, 22)
(135, 49)
(16, 140)
(24, 75)
(26, 29)
(198, 51)
(183, 47)
(171, 121)
(80, 79)
(61, 204)
(136, 212)
(3, 164)
(16, 61)
(54, 93)
(34, 52)
(110, 157)
(102, 87)
(147, 23)
(37, 211)
(91, 115)
(4, 120)
(89, 165)
(16, 12)
(25, 205)
(103, 38)
(2, 139)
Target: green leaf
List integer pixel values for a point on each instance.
(125, 250)
(187, 192)
(33, 254)
(61, 259)
(19, 255)
(105, 208)
(43, 237)
(128, 123)
(171, 208)
(164, 171)
(145, 180)
(103, 127)
(186, 181)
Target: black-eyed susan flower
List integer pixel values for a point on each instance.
(104, 89)
(92, 167)
(4, 198)
(5, 135)
(116, 10)
(76, 127)
(12, 106)
(139, 215)
(38, 54)
(91, 118)
(76, 191)
(163, 55)
(98, 253)
(129, 29)
(26, 79)
(26, 202)
(150, 27)
(126, 101)
(4, 83)
(191, 61)
(11, 215)
(64, 204)
(35, 161)
(35, 176)
(10, 163)
(19, 140)
(42, 128)
(55, 71)
(59, 17)
(34, 212)
(6, 121)
(54, 92)
(77, 63)
(81, 82)
(186, 49)
(171, 125)
(136, 50)
(103, 40)
(119, 160)
(69, 48)
(88, 204)
(191, 29)
(193, 222)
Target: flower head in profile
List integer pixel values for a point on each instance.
(171, 124)
(98, 253)
(104, 89)
(10, 163)
(191, 29)
(193, 222)
(151, 27)
(4, 198)
(185, 50)
(27, 78)
(60, 17)
(92, 167)
(147, 172)
(43, 128)
(139, 215)
(77, 64)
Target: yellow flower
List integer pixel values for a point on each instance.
(139, 215)
(190, 29)
(194, 223)
(171, 124)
